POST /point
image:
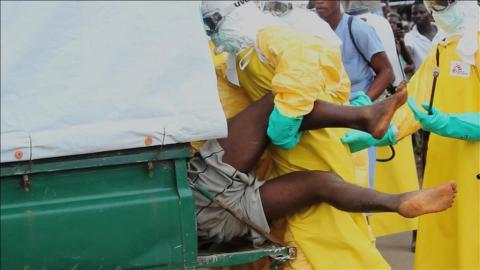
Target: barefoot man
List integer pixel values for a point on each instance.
(219, 168)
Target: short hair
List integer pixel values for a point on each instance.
(358, 4)
(418, 2)
(394, 14)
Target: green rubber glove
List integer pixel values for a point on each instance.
(282, 130)
(361, 100)
(358, 140)
(465, 126)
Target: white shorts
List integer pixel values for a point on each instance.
(240, 191)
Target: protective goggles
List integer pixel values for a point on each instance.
(438, 5)
(212, 22)
(277, 8)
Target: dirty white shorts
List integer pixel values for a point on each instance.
(240, 191)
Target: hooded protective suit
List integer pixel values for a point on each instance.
(451, 239)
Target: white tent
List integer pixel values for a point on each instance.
(83, 77)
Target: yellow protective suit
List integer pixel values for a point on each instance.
(450, 239)
(299, 69)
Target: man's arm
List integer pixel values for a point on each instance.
(465, 126)
(384, 75)
(405, 50)
(371, 47)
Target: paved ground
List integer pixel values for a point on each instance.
(396, 250)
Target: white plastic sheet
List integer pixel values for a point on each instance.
(84, 77)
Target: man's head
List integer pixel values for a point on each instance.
(454, 16)
(420, 14)
(233, 25)
(277, 8)
(214, 13)
(327, 9)
(459, 19)
(361, 5)
(395, 21)
(438, 5)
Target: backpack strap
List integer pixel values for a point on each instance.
(350, 19)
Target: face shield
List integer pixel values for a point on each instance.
(212, 22)
(448, 14)
(460, 19)
(438, 5)
(214, 13)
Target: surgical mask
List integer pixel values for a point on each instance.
(225, 42)
(288, 18)
(451, 20)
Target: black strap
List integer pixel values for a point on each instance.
(436, 72)
(350, 19)
(426, 134)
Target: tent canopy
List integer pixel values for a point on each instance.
(84, 77)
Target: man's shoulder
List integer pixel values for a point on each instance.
(364, 32)
(439, 35)
(361, 29)
(409, 35)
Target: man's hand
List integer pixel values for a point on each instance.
(409, 69)
(399, 34)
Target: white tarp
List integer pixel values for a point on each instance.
(83, 77)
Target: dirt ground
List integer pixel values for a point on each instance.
(396, 250)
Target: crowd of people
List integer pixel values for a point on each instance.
(324, 94)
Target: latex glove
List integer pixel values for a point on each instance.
(282, 130)
(361, 100)
(465, 126)
(358, 140)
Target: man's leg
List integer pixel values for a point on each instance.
(247, 136)
(292, 192)
(373, 119)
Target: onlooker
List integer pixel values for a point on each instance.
(362, 9)
(405, 58)
(358, 62)
(423, 35)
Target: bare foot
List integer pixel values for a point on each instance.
(431, 200)
(382, 112)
